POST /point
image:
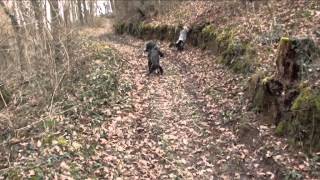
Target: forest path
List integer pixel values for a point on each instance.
(178, 128)
(189, 123)
(167, 136)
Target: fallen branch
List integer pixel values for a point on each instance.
(2, 98)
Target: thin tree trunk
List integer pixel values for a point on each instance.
(74, 11)
(92, 10)
(26, 29)
(159, 5)
(80, 12)
(36, 4)
(55, 26)
(85, 10)
(113, 6)
(66, 14)
(17, 30)
(45, 14)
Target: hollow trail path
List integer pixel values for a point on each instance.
(190, 123)
(179, 127)
(168, 134)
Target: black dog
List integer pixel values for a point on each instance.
(154, 55)
(150, 45)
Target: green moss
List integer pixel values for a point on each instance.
(241, 65)
(146, 29)
(303, 99)
(209, 31)
(281, 128)
(317, 102)
(303, 85)
(49, 124)
(225, 39)
(233, 51)
(120, 28)
(266, 79)
(162, 32)
(305, 125)
(47, 140)
(62, 141)
(285, 39)
(239, 57)
(207, 37)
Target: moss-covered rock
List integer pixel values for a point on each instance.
(304, 100)
(305, 125)
(281, 128)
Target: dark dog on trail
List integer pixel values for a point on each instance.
(154, 55)
(150, 45)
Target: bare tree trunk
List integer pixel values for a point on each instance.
(72, 11)
(66, 14)
(112, 6)
(92, 10)
(85, 10)
(45, 14)
(39, 44)
(160, 6)
(17, 30)
(55, 26)
(80, 12)
(36, 4)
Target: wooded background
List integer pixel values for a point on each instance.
(39, 37)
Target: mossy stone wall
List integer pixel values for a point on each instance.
(237, 55)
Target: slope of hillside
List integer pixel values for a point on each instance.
(261, 23)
